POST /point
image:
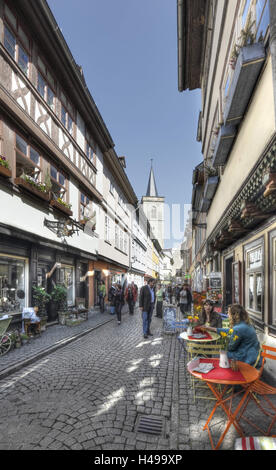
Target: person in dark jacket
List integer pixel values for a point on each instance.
(146, 304)
(119, 302)
(111, 298)
(208, 316)
(131, 297)
(185, 299)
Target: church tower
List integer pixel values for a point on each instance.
(153, 206)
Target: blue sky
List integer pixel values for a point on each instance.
(128, 52)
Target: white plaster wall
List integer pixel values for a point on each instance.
(22, 215)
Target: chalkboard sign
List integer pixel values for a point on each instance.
(169, 317)
(215, 281)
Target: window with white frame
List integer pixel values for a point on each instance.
(86, 208)
(107, 228)
(13, 283)
(254, 274)
(45, 84)
(28, 159)
(254, 19)
(16, 41)
(59, 183)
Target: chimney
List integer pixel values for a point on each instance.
(122, 160)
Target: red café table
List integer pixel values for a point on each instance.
(245, 377)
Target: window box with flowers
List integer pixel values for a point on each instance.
(30, 184)
(62, 206)
(4, 167)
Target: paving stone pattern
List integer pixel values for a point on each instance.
(89, 393)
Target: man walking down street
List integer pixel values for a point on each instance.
(146, 304)
(102, 294)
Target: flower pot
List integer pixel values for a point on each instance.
(62, 318)
(189, 330)
(5, 172)
(61, 207)
(32, 189)
(223, 360)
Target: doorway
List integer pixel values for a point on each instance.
(228, 282)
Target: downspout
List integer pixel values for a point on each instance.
(180, 44)
(272, 26)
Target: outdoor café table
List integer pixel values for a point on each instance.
(245, 377)
(209, 337)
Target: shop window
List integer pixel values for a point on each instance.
(254, 278)
(28, 159)
(16, 41)
(59, 183)
(66, 277)
(13, 282)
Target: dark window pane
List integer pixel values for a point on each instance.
(34, 155)
(9, 42)
(40, 85)
(53, 172)
(21, 145)
(63, 116)
(50, 98)
(23, 60)
(61, 179)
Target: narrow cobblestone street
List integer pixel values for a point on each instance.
(90, 393)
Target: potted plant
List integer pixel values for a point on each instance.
(4, 167)
(41, 298)
(59, 296)
(24, 339)
(61, 205)
(31, 185)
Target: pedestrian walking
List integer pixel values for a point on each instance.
(102, 294)
(185, 299)
(131, 297)
(146, 304)
(111, 298)
(160, 296)
(119, 302)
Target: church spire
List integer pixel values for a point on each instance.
(152, 190)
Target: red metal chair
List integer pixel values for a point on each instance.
(259, 393)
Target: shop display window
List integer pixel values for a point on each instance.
(254, 278)
(13, 282)
(66, 277)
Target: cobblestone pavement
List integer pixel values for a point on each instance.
(89, 394)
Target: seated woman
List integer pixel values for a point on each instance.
(244, 345)
(208, 316)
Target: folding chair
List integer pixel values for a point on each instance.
(202, 350)
(259, 395)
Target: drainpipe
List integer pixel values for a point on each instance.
(272, 26)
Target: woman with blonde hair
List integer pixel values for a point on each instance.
(244, 345)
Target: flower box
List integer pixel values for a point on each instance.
(61, 207)
(6, 172)
(22, 183)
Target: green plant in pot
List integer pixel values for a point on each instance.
(24, 338)
(41, 298)
(59, 296)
